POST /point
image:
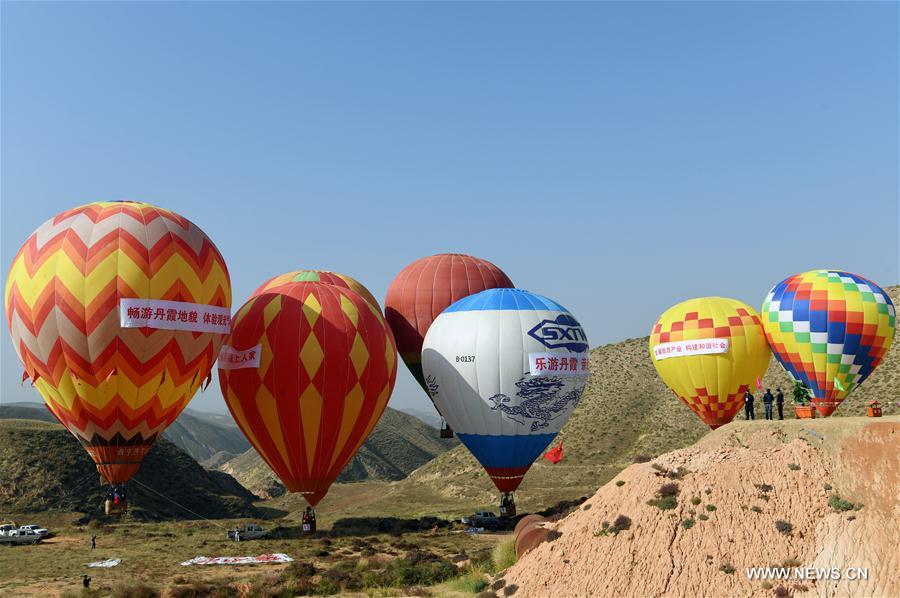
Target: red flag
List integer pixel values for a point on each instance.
(759, 385)
(555, 454)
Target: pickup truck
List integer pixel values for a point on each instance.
(249, 531)
(485, 519)
(42, 532)
(18, 536)
(6, 528)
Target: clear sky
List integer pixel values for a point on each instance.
(617, 157)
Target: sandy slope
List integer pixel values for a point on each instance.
(657, 556)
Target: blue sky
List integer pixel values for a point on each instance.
(617, 157)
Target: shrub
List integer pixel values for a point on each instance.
(134, 590)
(621, 523)
(782, 592)
(553, 535)
(620, 482)
(839, 504)
(659, 468)
(756, 509)
(827, 487)
(687, 523)
(696, 500)
(702, 517)
(710, 508)
(677, 474)
(642, 458)
(764, 488)
(784, 527)
(470, 582)
(510, 589)
(726, 568)
(586, 507)
(766, 585)
(504, 554)
(663, 503)
(793, 466)
(670, 489)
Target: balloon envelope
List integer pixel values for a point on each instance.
(506, 368)
(424, 288)
(709, 351)
(117, 311)
(341, 280)
(826, 326)
(307, 372)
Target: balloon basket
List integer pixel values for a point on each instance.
(874, 409)
(805, 411)
(446, 432)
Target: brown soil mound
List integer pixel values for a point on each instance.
(739, 488)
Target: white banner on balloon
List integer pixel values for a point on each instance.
(174, 315)
(560, 363)
(707, 346)
(232, 359)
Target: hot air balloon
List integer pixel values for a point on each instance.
(423, 289)
(829, 329)
(307, 372)
(341, 280)
(117, 311)
(709, 351)
(506, 368)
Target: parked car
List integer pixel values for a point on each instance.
(42, 532)
(249, 531)
(19, 536)
(6, 528)
(485, 519)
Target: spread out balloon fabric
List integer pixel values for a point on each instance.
(829, 329)
(307, 373)
(424, 288)
(506, 368)
(709, 351)
(341, 280)
(117, 311)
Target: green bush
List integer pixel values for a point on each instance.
(756, 509)
(687, 523)
(702, 517)
(504, 554)
(620, 482)
(710, 508)
(664, 503)
(471, 582)
(793, 466)
(696, 500)
(839, 504)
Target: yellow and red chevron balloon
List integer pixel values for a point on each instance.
(709, 351)
(307, 372)
(116, 388)
(341, 280)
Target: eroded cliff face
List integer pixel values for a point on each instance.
(752, 494)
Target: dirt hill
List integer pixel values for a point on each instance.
(626, 411)
(797, 493)
(43, 467)
(399, 444)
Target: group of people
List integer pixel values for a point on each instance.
(769, 400)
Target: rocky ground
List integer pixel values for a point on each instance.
(799, 493)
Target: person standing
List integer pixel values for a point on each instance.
(768, 400)
(86, 581)
(779, 402)
(748, 405)
(93, 542)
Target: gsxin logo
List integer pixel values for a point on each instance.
(564, 331)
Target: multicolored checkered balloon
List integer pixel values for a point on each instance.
(829, 329)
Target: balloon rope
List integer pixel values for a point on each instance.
(176, 503)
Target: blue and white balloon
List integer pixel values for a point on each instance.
(506, 368)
